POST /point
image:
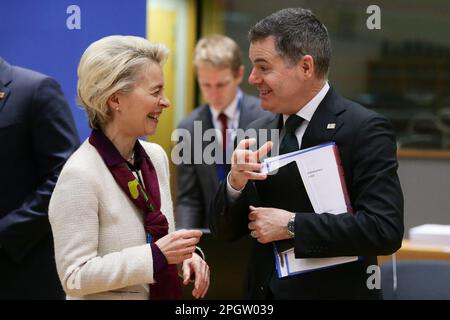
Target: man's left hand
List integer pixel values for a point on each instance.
(268, 224)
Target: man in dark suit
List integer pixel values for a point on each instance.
(37, 135)
(290, 53)
(218, 62)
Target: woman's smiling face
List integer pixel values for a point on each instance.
(141, 108)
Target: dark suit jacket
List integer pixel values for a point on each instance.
(368, 152)
(37, 135)
(197, 184)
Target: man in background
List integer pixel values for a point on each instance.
(37, 135)
(218, 62)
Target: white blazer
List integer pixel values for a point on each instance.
(100, 241)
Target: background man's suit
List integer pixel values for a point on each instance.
(368, 152)
(197, 184)
(37, 135)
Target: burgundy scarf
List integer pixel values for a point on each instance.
(167, 284)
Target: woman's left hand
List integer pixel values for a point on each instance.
(197, 266)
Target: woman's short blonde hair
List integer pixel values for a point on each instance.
(218, 51)
(110, 65)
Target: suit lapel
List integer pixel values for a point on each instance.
(271, 125)
(205, 116)
(246, 110)
(325, 122)
(4, 93)
(5, 79)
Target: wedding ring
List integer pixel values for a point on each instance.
(253, 234)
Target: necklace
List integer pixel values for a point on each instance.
(131, 159)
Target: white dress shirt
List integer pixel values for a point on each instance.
(306, 113)
(232, 112)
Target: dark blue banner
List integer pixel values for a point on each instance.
(50, 36)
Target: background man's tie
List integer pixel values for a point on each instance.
(223, 168)
(224, 122)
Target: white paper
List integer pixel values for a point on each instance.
(288, 265)
(320, 174)
(319, 170)
(436, 235)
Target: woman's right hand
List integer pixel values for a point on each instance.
(179, 245)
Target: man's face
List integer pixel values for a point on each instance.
(279, 84)
(218, 86)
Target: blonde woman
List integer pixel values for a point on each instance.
(111, 212)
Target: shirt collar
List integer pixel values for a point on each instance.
(230, 110)
(308, 110)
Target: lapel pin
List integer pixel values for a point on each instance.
(2, 95)
(331, 126)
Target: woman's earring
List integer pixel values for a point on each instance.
(117, 108)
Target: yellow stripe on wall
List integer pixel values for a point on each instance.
(161, 28)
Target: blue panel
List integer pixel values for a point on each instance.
(35, 35)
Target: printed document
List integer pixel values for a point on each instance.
(324, 180)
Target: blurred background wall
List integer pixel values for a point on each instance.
(401, 70)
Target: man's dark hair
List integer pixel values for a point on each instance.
(297, 33)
